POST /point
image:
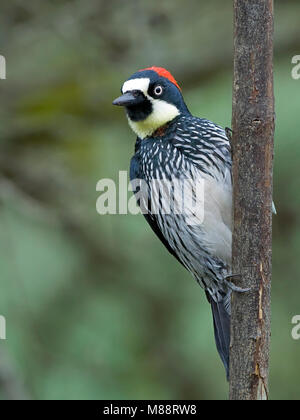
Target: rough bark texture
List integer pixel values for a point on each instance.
(252, 140)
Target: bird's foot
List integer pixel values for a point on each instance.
(232, 286)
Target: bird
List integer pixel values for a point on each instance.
(175, 147)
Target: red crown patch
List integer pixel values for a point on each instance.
(163, 73)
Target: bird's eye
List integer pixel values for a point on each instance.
(158, 90)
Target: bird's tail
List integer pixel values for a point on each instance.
(221, 317)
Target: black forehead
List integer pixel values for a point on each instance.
(150, 74)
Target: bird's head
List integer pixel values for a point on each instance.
(152, 98)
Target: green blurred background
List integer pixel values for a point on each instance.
(95, 306)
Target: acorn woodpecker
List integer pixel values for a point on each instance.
(174, 146)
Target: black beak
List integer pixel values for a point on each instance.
(129, 98)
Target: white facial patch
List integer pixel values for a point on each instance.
(137, 84)
(162, 111)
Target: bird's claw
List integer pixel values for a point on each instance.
(233, 287)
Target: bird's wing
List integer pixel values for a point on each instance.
(154, 226)
(205, 144)
(206, 147)
(150, 218)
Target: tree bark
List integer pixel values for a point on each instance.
(252, 143)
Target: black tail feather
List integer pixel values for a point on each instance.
(221, 317)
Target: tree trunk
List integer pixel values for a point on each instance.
(252, 142)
